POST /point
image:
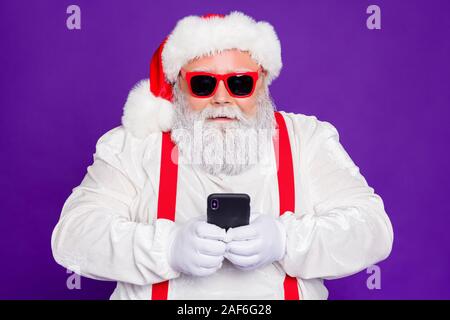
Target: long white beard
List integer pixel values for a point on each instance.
(223, 148)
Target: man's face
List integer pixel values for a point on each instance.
(223, 133)
(225, 62)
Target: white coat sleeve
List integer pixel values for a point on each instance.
(95, 235)
(349, 229)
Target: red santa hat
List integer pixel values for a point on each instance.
(149, 108)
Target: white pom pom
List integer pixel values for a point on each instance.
(144, 113)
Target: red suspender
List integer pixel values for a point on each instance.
(167, 197)
(168, 191)
(286, 189)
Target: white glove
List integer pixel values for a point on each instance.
(197, 248)
(260, 243)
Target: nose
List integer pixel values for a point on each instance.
(221, 96)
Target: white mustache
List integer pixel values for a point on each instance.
(232, 112)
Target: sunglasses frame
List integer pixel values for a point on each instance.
(221, 77)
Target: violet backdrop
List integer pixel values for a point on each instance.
(387, 92)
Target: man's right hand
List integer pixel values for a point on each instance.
(197, 248)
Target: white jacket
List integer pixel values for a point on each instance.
(108, 228)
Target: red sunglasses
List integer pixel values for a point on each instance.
(205, 84)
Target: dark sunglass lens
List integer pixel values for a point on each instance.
(240, 85)
(203, 85)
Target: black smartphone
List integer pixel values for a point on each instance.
(228, 210)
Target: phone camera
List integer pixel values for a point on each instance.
(215, 204)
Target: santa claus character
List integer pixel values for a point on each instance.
(205, 123)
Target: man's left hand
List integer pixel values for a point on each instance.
(260, 243)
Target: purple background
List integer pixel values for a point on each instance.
(386, 91)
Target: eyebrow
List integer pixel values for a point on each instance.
(205, 69)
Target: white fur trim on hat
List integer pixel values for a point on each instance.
(144, 113)
(195, 36)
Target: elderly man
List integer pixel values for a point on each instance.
(205, 123)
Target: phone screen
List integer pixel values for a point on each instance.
(228, 210)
